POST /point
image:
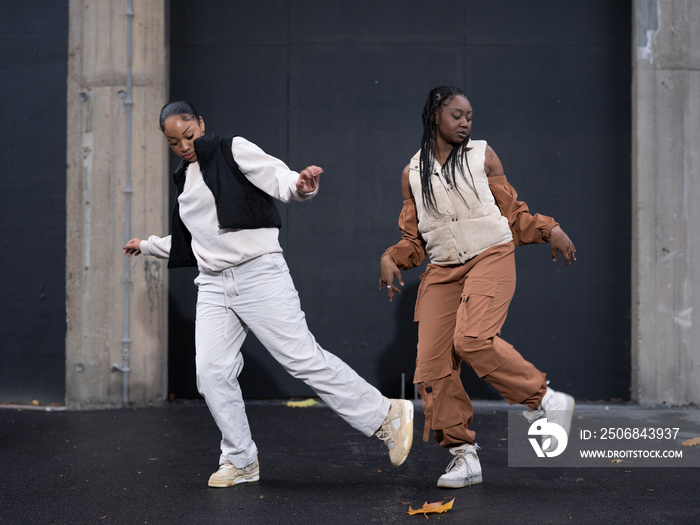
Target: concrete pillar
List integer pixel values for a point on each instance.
(666, 192)
(96, 178)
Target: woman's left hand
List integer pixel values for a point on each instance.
(308, 179)
(560, 241)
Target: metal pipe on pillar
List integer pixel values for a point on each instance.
(128, 106)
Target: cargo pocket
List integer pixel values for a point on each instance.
(476, 300)
(441, 397)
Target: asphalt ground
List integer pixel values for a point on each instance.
(151, 465)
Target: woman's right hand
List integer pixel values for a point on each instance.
(309, 179)
(389, 271)
(133, 247)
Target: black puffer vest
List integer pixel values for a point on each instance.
(239, 203)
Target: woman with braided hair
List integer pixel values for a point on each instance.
(460, 211)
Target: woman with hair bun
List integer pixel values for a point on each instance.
(460, 212)
(225, 223)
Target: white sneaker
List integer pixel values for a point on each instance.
(558, 408)
(533, 414)
(464, 469)
(397, 430)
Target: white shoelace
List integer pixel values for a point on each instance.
(384, 433)
(454, 463)
(461, 456)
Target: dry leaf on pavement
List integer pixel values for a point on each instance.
(695, 442)
(434, 508)
(302, 404)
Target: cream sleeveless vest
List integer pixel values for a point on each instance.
(467, 226)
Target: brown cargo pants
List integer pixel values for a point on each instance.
(460, 311)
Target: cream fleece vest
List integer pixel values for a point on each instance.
(466, 228)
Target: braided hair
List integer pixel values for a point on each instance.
(457, 158)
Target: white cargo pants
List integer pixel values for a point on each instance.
(259, 295)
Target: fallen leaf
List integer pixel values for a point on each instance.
(692, 442)
(302, 404)
(434, 508)
(615, 461)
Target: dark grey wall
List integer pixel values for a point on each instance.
(341, 85)
(34, 43)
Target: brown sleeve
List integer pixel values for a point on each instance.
(409, 252)
(526, 228)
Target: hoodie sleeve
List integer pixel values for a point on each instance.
(159, 247)
(266, 172)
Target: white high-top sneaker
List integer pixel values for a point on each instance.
(464, 469)
(558, 408)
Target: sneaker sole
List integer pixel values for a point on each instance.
(237, 481)
(571, 403)
(458, 484)
(408, 431)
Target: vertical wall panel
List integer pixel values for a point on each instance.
(33, 37)
(342, 85)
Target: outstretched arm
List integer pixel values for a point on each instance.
(156, 246)
(270, 174)
(526, 228)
